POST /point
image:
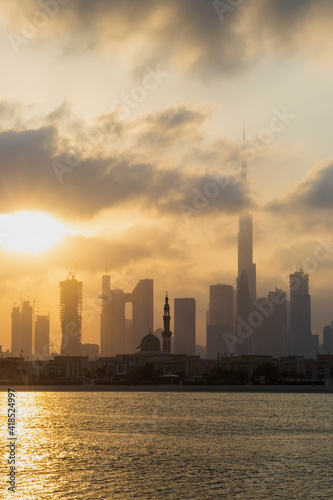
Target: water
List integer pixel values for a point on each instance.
(171, 446)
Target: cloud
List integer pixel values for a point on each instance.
(314, 193)
(91, 254)
(195, 36)
(43, 169)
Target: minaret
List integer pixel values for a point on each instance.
(246, 280)
(166, 334)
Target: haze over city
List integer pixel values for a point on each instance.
(123, 150)
(166, 249)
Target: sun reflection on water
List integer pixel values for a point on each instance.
(120, 446)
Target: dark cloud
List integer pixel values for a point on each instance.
(42, 169)
(197, 36)
(315, 193)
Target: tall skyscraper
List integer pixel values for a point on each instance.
(42, 337)
(184, 326)
(105, 326)
(16, 331)
(271, 337)
(166, 334)
(22, 330)
(220, 321)
(26, 328)
(113, 339)
(142, 311)
(121, 335)
(246, 280)
(300, 315)
(71, 315)
(328, 340)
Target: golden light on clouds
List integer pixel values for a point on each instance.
(30, 232)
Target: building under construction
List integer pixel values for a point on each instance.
(71, 315)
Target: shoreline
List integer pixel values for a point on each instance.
(305, 389)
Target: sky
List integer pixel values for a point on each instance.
(121, 128)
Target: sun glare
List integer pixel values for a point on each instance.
(29, 232)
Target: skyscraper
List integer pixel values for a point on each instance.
(71, 315)
(220, 321)
(120, 335)
(271, 337)
(42, 337)
(300, 315)
(112, 319)
(105, 326)
(246, 280)
(142, 311)
(184, 326)
(16, 331)
(22, 330)
(328, 340)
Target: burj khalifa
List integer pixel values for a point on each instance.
(246, 280)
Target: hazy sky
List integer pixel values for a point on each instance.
(123, 121)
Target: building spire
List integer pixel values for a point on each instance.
(244, 164)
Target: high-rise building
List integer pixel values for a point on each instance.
(300, 315)
(220, 329)
(142, 310)
(271, 336)
(121, 335)
(221, 310)
(184, 326)
(328, 340)
(112, 319)
(105, 326)
(22, 330)
(16, 331)
(26, 328)
(166, 334)
(246, 280)
(71, 315)
(42, 337)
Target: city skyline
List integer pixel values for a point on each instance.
(166, 248)
(135, 165)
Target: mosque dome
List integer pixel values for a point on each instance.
(150, 343)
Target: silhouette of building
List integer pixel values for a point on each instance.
(26, 328)
(71, 315)
(301, 343)
(328, 340)
(150, 344)
(16, 331)
(184, 326)
(105, 326)
(120, 334)
(22, 330)
(220, 317)
(142, 299)
(42, 337)
(166, 334)
(271, 336)
(246, 279)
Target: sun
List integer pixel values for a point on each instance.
(30, 232)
